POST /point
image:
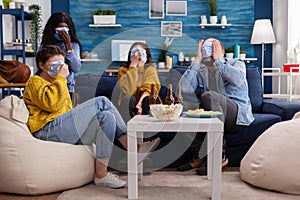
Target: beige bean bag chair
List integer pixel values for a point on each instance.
(32, 166)
(273, 160)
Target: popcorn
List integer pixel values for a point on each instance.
(166, 112)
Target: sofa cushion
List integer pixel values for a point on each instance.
(85, 86)
(272, 162)
(253, 76)
(106, 86)
(249, 134)
(285, 109)
(238, 144)
(31, 166)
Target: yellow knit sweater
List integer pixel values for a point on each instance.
(46, 101)
(132, 77)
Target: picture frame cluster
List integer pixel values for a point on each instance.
(173, 8)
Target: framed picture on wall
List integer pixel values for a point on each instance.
(156, 9)
(171, 28)
(176, 8)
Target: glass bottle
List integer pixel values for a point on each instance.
(152, 97)
(178, 95)
(169, 100)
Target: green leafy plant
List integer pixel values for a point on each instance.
(104, 12)
(35, 25)
(164, 49)
(213, 7)
(229, 50)
(6, 3)
(243, 52)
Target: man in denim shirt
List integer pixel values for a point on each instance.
(219, 85)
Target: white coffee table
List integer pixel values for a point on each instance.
(143, 123)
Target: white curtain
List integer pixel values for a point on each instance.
(293, 53)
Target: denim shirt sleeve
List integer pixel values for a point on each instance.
(234, 73)
(234, 86)
(73, 58)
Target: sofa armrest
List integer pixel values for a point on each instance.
(285, 109)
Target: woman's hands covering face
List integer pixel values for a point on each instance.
(138, 57)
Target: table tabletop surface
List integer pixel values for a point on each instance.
(182, 124)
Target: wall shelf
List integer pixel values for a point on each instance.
(248, 60)
(214, 25)
(90, 60)
(105, 25)
(22, 16)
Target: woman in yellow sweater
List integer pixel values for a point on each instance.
(134, 81)
(52, 118)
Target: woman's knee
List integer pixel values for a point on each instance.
(103, 99)
(107, 122)
(102, 103)
(106, 116)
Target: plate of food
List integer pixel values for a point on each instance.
(201, 113)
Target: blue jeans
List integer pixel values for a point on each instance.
(95, 121)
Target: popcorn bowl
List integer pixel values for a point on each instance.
(166, 112)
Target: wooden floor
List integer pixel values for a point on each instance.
(54, 196)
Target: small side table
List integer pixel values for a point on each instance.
(143, 123)
(276, 72)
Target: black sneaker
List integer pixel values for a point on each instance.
(191, 165)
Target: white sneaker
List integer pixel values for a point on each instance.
(110, 180)
(146, 148)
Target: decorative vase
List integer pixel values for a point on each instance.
(180, 56)
(213, 19)
(223, 20)
(203, 19)
(161, 65)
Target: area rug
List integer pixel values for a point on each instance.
(173, 185)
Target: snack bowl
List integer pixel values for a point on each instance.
(166, 112)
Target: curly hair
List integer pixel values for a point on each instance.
(49, 30)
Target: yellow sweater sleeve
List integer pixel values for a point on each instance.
(128, 80)
(46, 101)
(150, 77)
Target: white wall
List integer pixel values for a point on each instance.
(286, 17)
(280, 26)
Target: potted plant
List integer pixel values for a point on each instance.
(213, 11)
(35, 25)
(6, 3)
(242, 54)
(104, 16)
(229, 52)
(164, 49)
